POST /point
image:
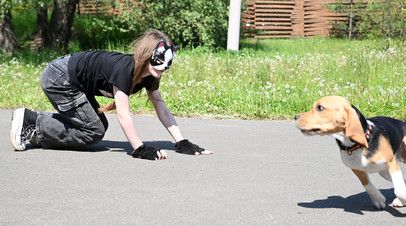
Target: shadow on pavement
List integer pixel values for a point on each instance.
(117, 146)
(124, 146)
(354, 204)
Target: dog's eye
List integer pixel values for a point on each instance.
(319, 108)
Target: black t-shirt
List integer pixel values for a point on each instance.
(95, 73)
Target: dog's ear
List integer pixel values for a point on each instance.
(353, 127)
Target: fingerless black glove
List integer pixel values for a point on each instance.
(187, 147)
(145, 152)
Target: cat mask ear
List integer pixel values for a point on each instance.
(174, 49)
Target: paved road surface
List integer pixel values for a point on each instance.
(261, 173)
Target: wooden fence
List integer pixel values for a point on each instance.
(286, 19)
(95, 7)
(260, 19)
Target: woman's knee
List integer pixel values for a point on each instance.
(95, 135)
(100, 131)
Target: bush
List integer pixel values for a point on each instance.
(24, 24)
(187, 22)
(97, 32)
(378, 19)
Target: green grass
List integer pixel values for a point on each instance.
(276, 79)
(267, 79)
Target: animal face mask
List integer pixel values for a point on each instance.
(162, 56)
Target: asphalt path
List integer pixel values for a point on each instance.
(261, 173)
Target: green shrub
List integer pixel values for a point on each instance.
(375, 20)
(97, 32)
(188, 22)
(24, 24)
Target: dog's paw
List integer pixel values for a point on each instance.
(397, 203)
(379, 201)
(376, 196)
(380, 205)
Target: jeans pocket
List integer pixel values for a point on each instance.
(54, 78)
(73, 103)
(78, 110)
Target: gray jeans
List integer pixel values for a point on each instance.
(77, 122)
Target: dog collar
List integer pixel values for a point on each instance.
(354, 147)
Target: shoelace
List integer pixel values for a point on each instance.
(28, 133)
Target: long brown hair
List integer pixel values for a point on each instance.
(143, 49)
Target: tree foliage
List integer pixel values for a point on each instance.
(6, 5)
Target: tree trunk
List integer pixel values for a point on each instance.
(59, 30)
(42, 25)
(8, 40)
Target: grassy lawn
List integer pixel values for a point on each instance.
(266, 79)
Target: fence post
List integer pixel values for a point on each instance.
(233, 38)
(350, 22)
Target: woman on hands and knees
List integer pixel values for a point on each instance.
(71, 84)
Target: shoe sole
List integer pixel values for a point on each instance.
(17, 121)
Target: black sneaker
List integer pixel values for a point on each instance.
(22, 128)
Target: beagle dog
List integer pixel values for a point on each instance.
(373, 145)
